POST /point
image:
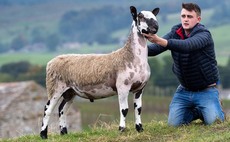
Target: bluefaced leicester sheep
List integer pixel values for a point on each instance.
(96, 76)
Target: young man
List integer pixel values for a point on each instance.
(195, 66)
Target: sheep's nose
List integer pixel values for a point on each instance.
(144, 31)
(152, 30)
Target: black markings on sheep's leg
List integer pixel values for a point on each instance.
(46, 106)
(124, 112)
(60, 109)
(139, 111)
(135, 105)
(121, 129)
(138, 94)
(139, 128)
(43, 134)
(63, 131)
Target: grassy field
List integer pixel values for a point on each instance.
(41, 58)
(100, 124)
(107, 110)
(33, 58)
(157, 131)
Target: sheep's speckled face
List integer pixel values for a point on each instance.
(146, 21)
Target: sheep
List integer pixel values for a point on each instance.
(96, 76)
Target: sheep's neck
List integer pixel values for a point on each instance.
(138, 44)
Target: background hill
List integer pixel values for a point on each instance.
(32, 25)
(36, 31)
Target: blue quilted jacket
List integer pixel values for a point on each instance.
(194, 57)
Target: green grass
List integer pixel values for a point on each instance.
(100, 124)
(41, 58)
(157, 131)
(221, 38)
(154, 107)
(33, 58)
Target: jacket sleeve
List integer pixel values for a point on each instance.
(155, 49)
(199, 40)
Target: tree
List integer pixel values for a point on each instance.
(94, 25)
(3, 48)
(52, 42)
(166, 77)
(225, 75)
(18, 43)
(14, 69)
(155, 67)
(221, 14)
(36, 73)
(37, 35)
(21, 71)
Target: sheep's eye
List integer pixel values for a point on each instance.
(140, 16)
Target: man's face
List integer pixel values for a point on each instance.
(189, 19)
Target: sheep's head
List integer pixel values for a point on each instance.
(145, 21)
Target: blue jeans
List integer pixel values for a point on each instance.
(187, 106)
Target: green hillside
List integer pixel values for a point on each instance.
(23, 20)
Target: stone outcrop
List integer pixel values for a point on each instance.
(21, 110)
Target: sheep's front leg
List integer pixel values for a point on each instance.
(123, 105)
(47, 112)
(63, 109)
(137, 108)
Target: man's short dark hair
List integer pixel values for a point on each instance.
(191, 7)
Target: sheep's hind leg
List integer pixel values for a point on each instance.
(50, 105)
(137, 108)
(63, 109)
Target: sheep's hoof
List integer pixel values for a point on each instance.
(121, 129)
(63, 131)
(139, 128)
(43, 135)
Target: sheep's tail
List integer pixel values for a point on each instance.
(50, 81)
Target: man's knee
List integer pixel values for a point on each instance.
(208, 120)
(174, 124)
(172, 121)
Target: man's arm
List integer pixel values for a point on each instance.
(196, 42)
(157, 48)
(193, 43)
(156, 39)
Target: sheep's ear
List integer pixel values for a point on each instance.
(133, 11)
(156, 11)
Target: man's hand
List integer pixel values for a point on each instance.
(151, 37)
(155, 39)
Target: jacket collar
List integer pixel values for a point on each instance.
(181, 33)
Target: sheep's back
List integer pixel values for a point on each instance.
(86, 69)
